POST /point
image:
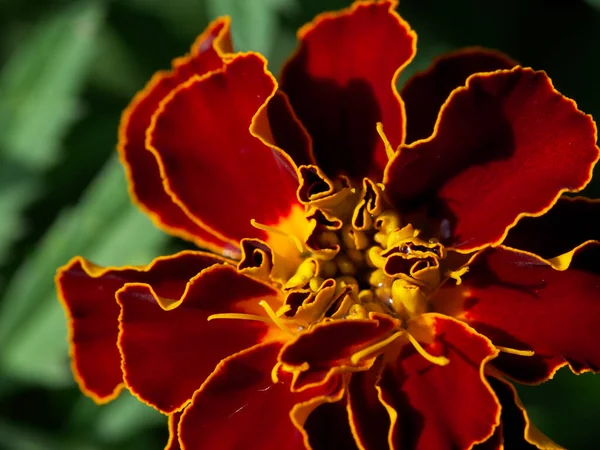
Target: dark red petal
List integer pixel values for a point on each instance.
(521, 302)
(212, 166)
(167, 344)
(143, 173)
(328, 428)
(425, 92)
(494, 442)
(571, 222)
(240, 406)
(173, 443)
(287, 132)
(342, 81)
(87, 292)
(441, 407)
(328, 347)
(517, 430)
(505, 146)
(368, 418)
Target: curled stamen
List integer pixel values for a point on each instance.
(274, 375)
(437, 360)
(269, 229)
(457, 274)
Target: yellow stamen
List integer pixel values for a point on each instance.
(276, 320)
(389, 151)
(274, 376)
(239, 317)
(437, 360)
(269, 229)
(457, 274)
(514, 351)
(375, 347)
(272, 319)
(281, 311)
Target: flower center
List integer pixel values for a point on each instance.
(361, 253)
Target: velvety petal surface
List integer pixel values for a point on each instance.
(168, 346)
(441, 407)
(240, 406)
(504, 146)
(521, 302)
(212, 166)
(342, 81)
(571, 222)
(328, 428)
(87, 293)
(425, 92)
(286, 130)
(141, 166)
(328, 348)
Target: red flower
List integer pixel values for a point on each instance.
(364, 290)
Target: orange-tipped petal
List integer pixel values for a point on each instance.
(342, 81)
(521, 302)
(173, 442)
(143, 173)
(571, 222)
(87, 292)
(169, 347)
(425, 92)
(212, 166)
(240, 406)
(517, 430)
(441, 407)
(328, 428)
(369, 420)
(505, 146)
(286, 131)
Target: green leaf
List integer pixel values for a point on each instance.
(255, 24)
(40, 83)
(105, 228)
(125, 417)
(39, 87)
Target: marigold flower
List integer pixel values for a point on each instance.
(382, 263)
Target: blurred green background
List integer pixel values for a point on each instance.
(68, 69)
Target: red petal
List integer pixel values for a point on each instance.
(328, 428)
(425, 92)
(328, 347)
(286, 130)
(212, 166)
(142, 169)
(505, 146)
(87, 293)
(173, 443)
(571, 222)
(441, 407)
(167, 344)
(342, 81)
(239, 406)
(517, 431)
(369, 419)
(521, 302)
